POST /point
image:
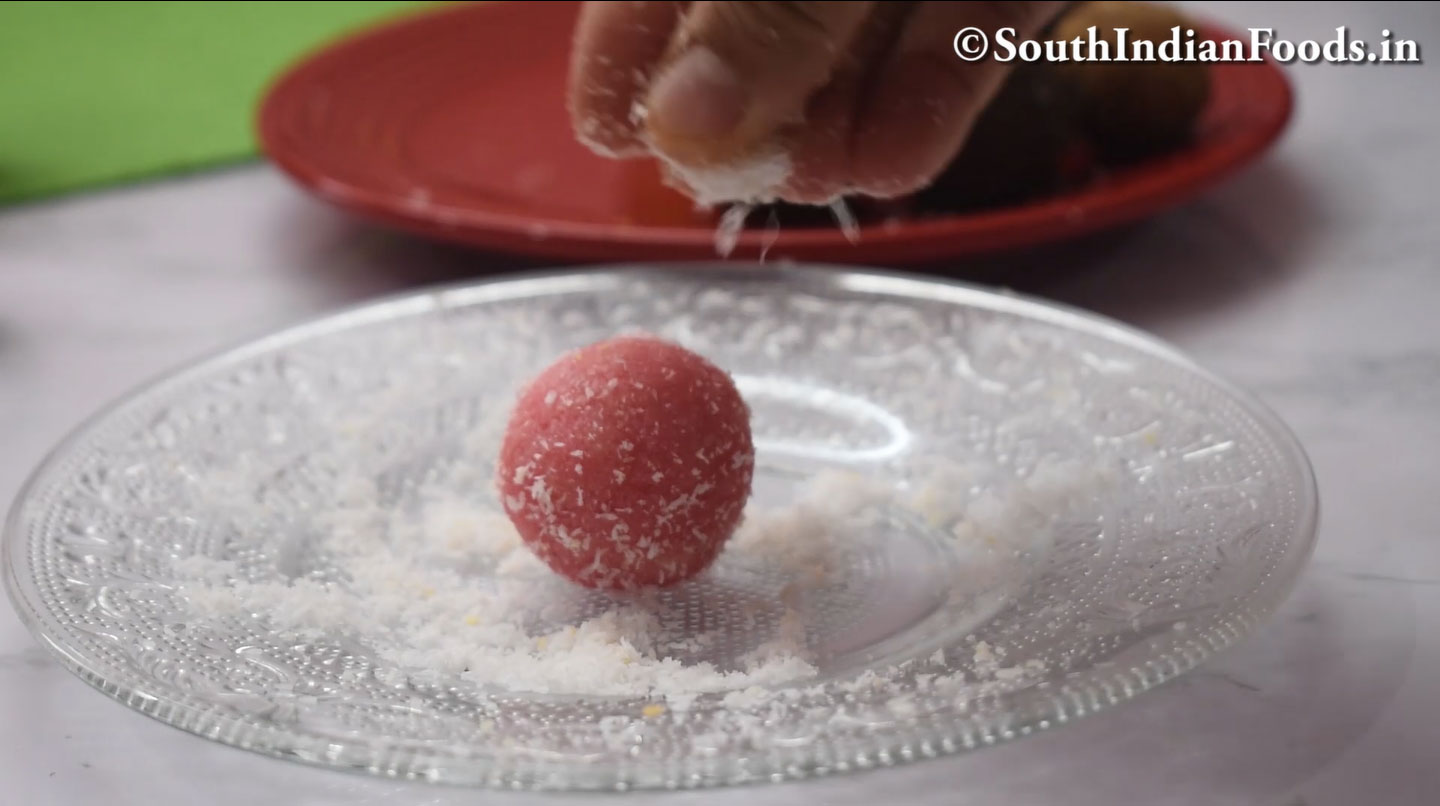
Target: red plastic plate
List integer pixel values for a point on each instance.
(452, 124)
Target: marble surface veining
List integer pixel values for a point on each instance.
(1311, 279)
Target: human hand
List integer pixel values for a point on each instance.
(799, 101)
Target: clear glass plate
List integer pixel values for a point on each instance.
(975, 516)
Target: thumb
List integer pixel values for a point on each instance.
(738, 71)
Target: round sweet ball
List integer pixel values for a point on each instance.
(627, 464)
(1132, 109)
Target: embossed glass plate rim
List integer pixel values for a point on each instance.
(1023, 712)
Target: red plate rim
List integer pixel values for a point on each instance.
(1136, 193)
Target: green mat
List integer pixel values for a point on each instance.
(97, 93)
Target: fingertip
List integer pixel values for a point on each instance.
(697, 96)
(819, 151)
(616, 46)
(740, 73)
(919, 114)
(925, 101)
(821, 148)
(606, 136)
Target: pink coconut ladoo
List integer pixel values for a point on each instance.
(627, 464)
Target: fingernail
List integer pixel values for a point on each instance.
(697, 96)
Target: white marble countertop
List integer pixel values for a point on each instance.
(1312, 279)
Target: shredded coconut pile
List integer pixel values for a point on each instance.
(755, 180)
(450, 591)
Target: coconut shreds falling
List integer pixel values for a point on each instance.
(450, 591)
